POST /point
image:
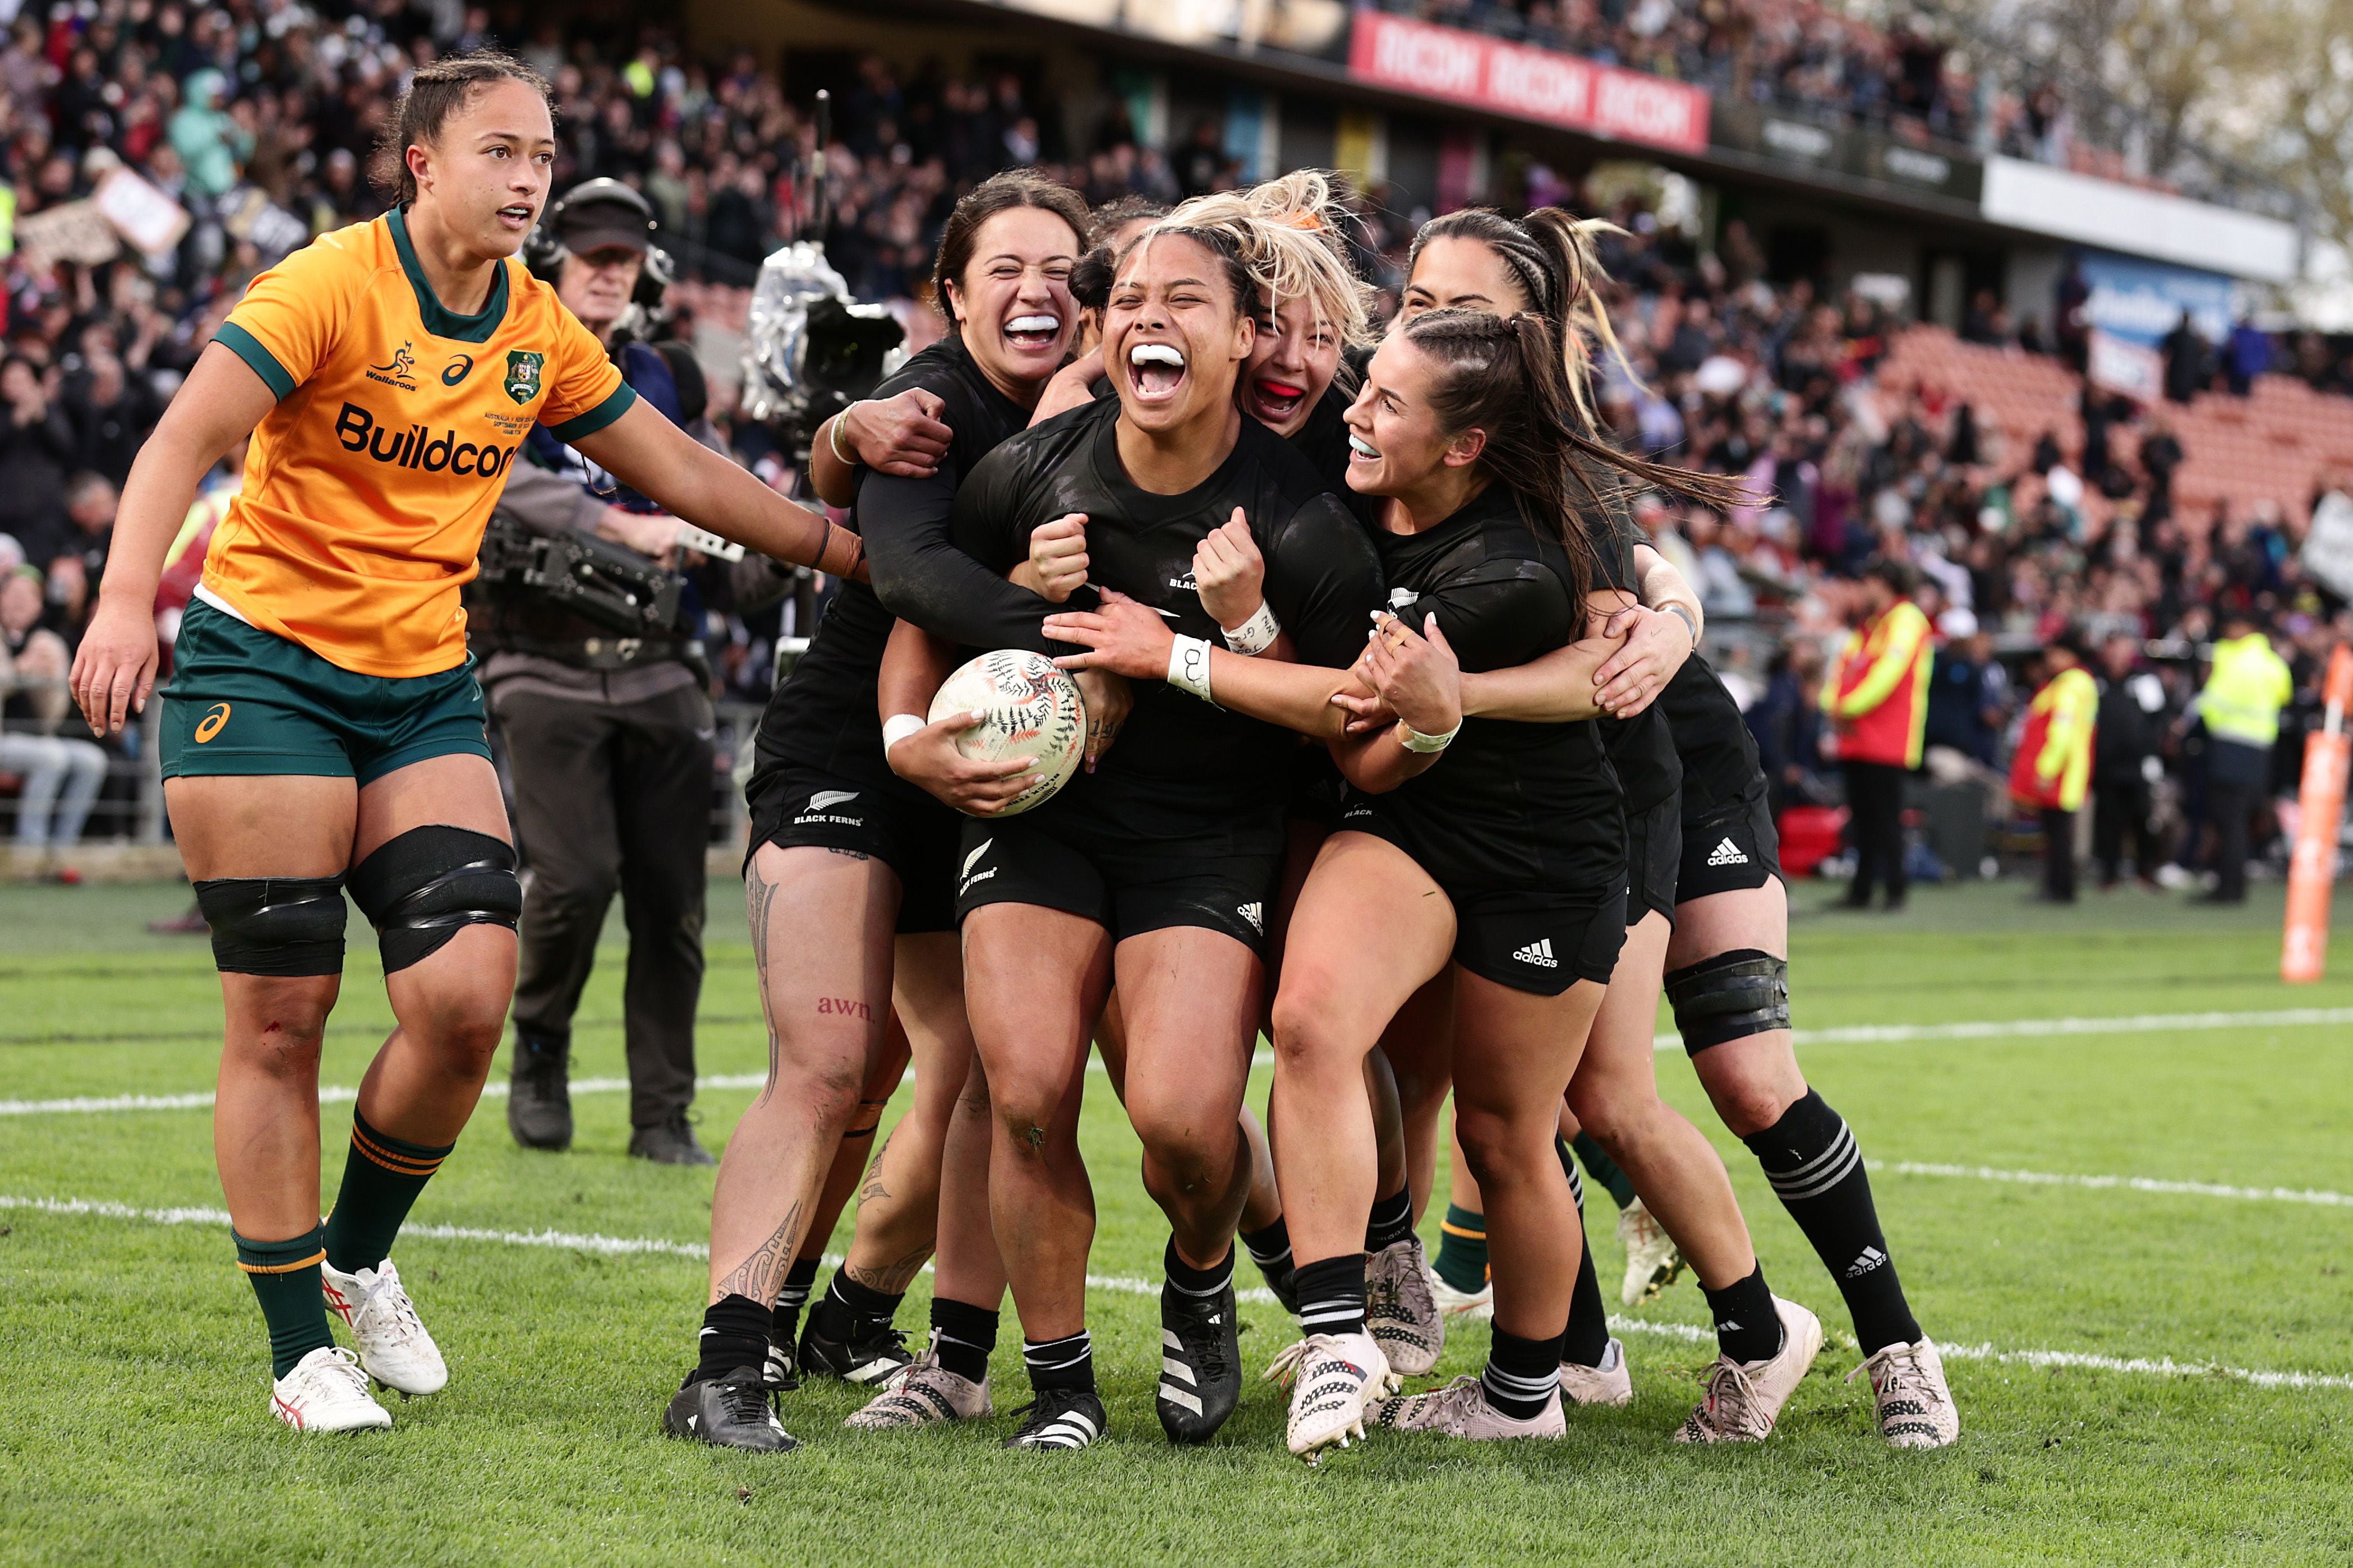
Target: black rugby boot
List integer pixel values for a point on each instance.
(1200, 1363)
(731, 1412)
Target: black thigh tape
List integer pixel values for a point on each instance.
(281, 926)
(420, 887)
(1729, 997)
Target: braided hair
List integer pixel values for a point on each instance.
(1503, 375)
(1550, 255)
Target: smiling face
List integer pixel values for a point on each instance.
(1013, 305)
(1395, 443)
(1173, 339)
(1289, 366)
(1454, 271)
(486, 172)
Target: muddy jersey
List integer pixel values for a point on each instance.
(368, 485)
(1511, 808)
(1181, 769)
(825, 715)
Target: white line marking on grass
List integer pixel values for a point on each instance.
(329, 1094)
(1689, 1333)
(2009, 1028)
(2134, 1183)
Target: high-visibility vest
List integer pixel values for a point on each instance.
(2054, 756)
(1877, 693)
(2249, 686)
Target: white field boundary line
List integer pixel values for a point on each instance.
(1863, 1034)
(2318, 1197)
(1688, 1333)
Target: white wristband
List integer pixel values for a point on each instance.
(1413, 740)
(1256, 634)
(897, 727)
(1188, 666)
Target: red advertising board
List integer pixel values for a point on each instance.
(1531, 84)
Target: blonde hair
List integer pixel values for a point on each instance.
(1288, 232)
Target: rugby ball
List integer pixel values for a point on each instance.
(1028, 708)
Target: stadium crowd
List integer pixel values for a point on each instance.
(257, 118)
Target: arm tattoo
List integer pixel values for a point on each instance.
(762, 1274)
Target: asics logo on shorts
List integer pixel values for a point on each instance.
(210, 725)
(1252, 913)
(1538, 952)
(969, 880)
(1727, 853)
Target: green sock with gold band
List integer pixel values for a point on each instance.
(1461, 1258)
(382, 1176)
(285, 1277)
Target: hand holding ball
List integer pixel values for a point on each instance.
(1028, 708)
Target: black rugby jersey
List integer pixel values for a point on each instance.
(823, 715)
(1511, 808)
(1721, 771)
(1639, 748)
(1179, 764)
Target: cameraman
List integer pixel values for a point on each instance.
(609, 735)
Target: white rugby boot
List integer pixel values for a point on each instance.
(1916, 1407)
(1464, 1305)
(1461, 1410)
(1651, 1260)
(1609, 1384)
(327, 1392)
(1744, 1398)
(1331, 1377)
(1401, 1309)
(393, 1348)
(924, 1392)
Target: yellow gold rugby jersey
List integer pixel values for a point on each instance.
(367, 488)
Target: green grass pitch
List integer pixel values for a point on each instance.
(133, 1412)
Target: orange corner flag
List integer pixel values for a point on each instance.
(2303, 949)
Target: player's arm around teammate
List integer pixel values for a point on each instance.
(323, 723)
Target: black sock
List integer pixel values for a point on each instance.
(791, 1296)
(285, 1277)
(1332, 1295)
(962, 1337)
(1587, 1342)
(1521, 1377)
(1569, 1168)
(1809, 1156)
(1269, 1248)
(734, 1336)
(849, 1306)
(382, 1176)
(1065, 1364)
(1605, 1169)
(1201, 1283)
(1391, 1220)
(1462, 1259)
(1747, 1329)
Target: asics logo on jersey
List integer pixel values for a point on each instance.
(1538, 952)
(1252, 913)
(1727, 853)
(826, 797)
(395, 370)
(460, 369)
(1871, 1258)
(210, 725)
(413, 446)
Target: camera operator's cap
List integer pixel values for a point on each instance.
(602, 214)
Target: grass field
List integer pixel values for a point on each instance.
(2160, 1373)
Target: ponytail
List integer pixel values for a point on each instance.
(1553, 257)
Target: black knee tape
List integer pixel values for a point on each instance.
(275, 925)
(416, 890)
(1729, 997)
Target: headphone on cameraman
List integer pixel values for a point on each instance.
(544, 250)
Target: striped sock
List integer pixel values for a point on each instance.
(734, 1336)
(1605, 1169)
(285, 1277)
(1747, 1329)
(791, 1296)
(1269, 1248)
(1461, 1258)
(1332, 1295)
(1391, 1221)
(1521, 1377)
(1809, 1156)
(1199, 1283)
(1068, 1362)
(382, 1176)
(963, 1335)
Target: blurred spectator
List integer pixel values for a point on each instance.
(1877, 699)
(61, 776)
(1967, 692)
(2241, 703)
(2053, 764)
(37, 444)
(2247, 355)
(2187, 360)
(2124, 761)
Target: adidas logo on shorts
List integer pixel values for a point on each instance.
(1252, 912)
(1727, 853)
(1538, 952)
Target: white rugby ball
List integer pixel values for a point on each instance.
(1028, 708)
